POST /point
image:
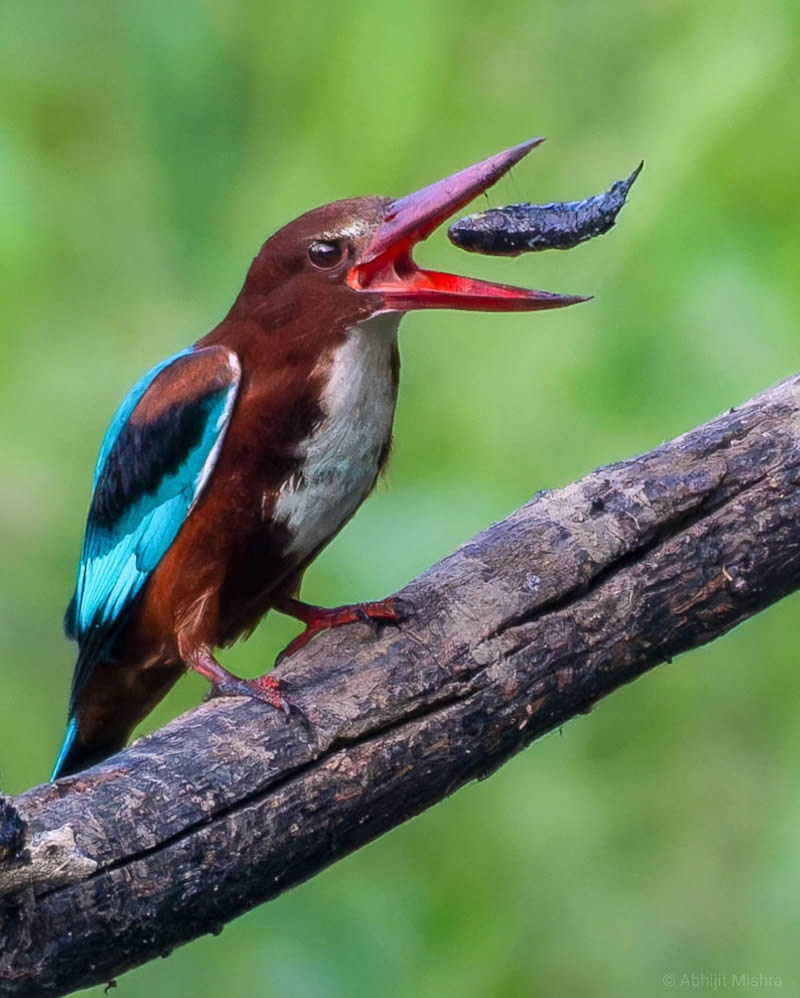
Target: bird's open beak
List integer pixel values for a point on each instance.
(387, 268)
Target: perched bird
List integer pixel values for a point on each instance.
(231, 465)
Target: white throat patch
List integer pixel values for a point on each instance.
(340, 460)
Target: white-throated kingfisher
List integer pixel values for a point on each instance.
(231, 464)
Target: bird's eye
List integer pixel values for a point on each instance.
(325, 255)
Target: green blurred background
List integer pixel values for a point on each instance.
(147, 149)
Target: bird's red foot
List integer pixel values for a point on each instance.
(265, 688)
(317, 618)
(225, 684)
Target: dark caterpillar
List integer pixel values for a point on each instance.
(527, 228)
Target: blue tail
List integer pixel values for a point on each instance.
(74, 756)
(66, 763)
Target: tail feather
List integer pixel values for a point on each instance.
(74, 757)
(66, 748)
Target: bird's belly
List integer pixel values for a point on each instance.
(341, 460)
(326, 492)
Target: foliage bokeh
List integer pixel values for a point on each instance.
(145, 152)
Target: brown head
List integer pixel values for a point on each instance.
(344, 262)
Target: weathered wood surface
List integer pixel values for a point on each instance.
(525, 626)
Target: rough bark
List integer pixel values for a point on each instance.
(523, 627)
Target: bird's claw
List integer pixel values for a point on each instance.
(398, 611)
(265, 688)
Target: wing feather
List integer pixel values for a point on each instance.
(154, 462)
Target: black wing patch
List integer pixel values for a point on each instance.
(145, 454)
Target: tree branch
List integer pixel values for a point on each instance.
(523, 627)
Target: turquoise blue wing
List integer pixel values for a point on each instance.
(154, 463)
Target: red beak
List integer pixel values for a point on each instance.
(386, 266)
